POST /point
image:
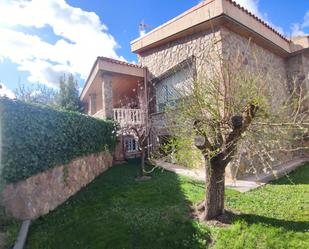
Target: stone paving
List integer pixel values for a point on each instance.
(242, 185)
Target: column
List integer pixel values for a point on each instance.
(92, 104)
(107, 96)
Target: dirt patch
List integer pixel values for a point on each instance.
(224, 220)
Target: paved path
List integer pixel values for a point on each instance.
(242, 185)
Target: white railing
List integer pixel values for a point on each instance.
(128, 116)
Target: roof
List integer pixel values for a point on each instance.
(111, 66)
(217, 12)
(118, 62)
(258, 19)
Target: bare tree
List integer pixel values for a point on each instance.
(38, 93)
(234, 106)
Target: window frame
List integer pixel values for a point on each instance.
(170, 101)
(131, 144)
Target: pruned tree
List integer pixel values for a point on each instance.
(235, 108)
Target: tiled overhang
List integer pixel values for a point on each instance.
(210, 14)
(108, 65)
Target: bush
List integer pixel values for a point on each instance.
(36, 138)
(181, 150)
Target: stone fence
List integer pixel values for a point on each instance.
(41, 193)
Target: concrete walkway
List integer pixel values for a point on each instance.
(242, 185)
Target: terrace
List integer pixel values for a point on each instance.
(116, 90)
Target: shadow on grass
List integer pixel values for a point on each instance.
(115, 211)
(250, 219)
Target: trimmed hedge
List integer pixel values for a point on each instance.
(36, 138)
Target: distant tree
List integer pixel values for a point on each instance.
(68, 97)
(38, 93)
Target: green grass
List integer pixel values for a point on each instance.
(116, 212)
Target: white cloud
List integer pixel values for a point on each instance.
(6, 92)
(298, 29)
(253, 7)
(82, 37)
(306, 20)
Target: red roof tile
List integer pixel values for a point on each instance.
(119, 62)
(258, 19)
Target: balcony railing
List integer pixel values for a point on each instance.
(128, 116)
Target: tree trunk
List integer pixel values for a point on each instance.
(215, 179)
(142, 161)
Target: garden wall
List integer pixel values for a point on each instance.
(41, 193)
(47, 155)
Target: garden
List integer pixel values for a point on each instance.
(116, 211)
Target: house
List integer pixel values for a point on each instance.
(175, 52)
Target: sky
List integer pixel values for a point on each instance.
(40, 40)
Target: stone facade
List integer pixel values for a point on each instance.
(256, 58)
(43, 192)
(160, 59)
(281, 72)
(298, 69)
(107, 96)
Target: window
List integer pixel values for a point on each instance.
(131, 144)
(172, 87)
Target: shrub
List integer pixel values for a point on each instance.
(181, 150)
(36, 138)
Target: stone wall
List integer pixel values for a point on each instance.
(298, 69)
(43, 192)
(256, 59)
(272, 67)
(278, 73)
(162, 58)
(119, 153)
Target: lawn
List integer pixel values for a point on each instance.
(8, 229)
(116, 212)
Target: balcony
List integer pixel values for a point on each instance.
(127, 117)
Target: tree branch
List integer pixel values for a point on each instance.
(198, 131)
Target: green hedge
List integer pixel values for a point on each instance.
(36, 138)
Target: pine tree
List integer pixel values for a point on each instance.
(68, 93)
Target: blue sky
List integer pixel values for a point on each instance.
(40, 40)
